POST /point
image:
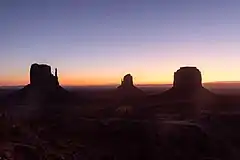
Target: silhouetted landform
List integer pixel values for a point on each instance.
(41, 77)
(127, 81)
(43, 88)
(127, 88)
(187, 84)
(127, 94)
(187, 95)
(188, 79)
(176, 124)
(125, 98)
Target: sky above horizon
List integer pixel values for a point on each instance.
(95, 42)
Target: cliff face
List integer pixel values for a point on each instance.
(127, 82)
(43, 88)
(188, 90)
(187, 78)
(187, 97)
(127, 88)
(42, 78)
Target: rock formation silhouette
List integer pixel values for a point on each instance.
(188, 79)
(127, 93)
(43, 88)
(127, 87)
(188, 91)
(42, 78)
(127, 82)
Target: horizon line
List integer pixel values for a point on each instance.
(137, 84)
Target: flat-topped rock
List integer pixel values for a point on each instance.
(43, 88)
(42, 77)
(187, 78)
(188, 91)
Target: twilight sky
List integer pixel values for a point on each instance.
(99, 41)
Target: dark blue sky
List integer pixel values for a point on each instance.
(98, 41)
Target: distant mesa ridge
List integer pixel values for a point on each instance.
(41, 76)
(44, 85)
(127, 81)
(187, 78)
(43, 88)
(187, 83)
(188, 92)
(127, 87)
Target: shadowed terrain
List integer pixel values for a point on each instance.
(187, 121)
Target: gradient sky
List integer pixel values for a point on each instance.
(99, 41)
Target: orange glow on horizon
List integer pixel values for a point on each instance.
(145, 77)
(112, 81)
(81, 81)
